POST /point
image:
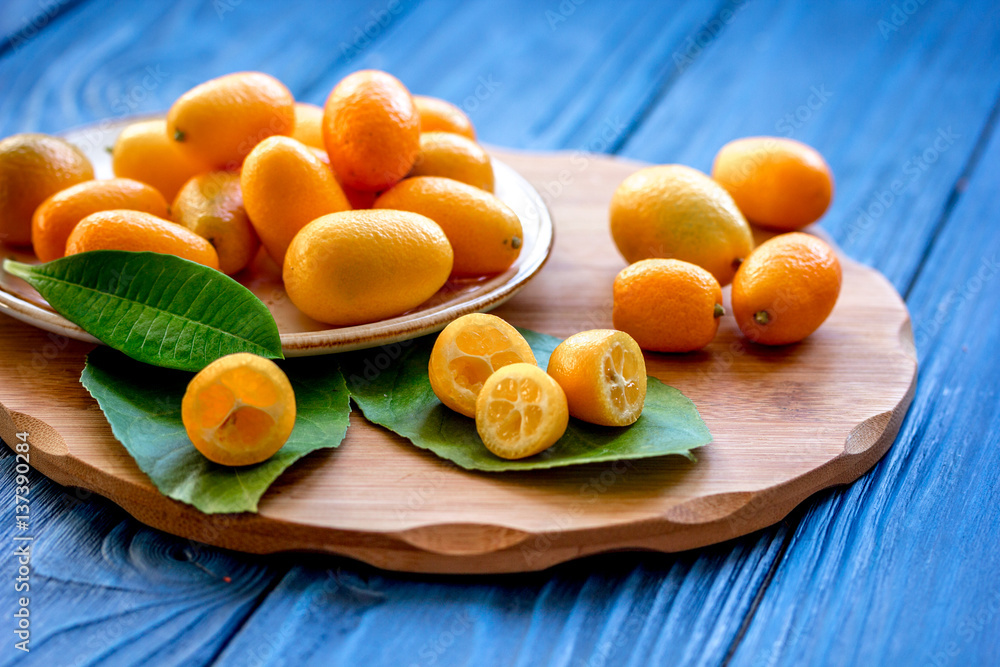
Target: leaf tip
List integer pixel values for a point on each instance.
(15, 268)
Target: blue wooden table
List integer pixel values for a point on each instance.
(901, 97)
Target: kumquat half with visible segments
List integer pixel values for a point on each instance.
(521, 411)
(467, 352)
(239, 410)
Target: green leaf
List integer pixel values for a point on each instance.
(390, 386)
(143, 406)
(156, 308)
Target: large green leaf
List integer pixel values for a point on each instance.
(155, 308)
(143, 406)
(391, 388)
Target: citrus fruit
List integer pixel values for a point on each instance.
(137, 231)
(467, 352)
(437, 115)
(786, 289)
(239, 410)
(603, 374)
(673, 211)
(667, 305)
(371, 130)
(220, 121)
(59, 214)
(285, 186)
(309, 125)
(211, 206)
(454, 156)
(485, 234)
(356, 198)
(32, 168)
(144, 152)
(520, 411)
(355, 267)
(778, 183)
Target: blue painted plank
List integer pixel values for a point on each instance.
(625, 609)
(900, 568)
(800, 33)
(558, 75)
(882, 105)
(104, 589)
(695, 602)
(23, 20)
(124, 59)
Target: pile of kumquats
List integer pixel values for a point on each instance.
(371, 203)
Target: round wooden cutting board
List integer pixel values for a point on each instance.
(786, 422)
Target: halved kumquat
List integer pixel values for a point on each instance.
(239, 410)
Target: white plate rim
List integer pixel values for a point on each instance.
(340, 339)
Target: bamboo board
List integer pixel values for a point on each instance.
(786, 422)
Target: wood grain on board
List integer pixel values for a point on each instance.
(786, 422)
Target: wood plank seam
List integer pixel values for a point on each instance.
(51, 13)
(788, 525)
(250, 611)
(957, 190)
(795, 517)
(664, 86)
(397, 16)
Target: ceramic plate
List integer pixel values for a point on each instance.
(300, 335)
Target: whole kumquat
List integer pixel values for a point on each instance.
(454, 156)
(778, 183)
(676, 212)
(437, 115)
(58, 215)
(211, 206)
(485, 233)
(137, 231)
(144, 152)
(285, 187)
(667, 305)
(786, 289)
(371, 130)
(220, 121)
(34, 167)
(355, 267)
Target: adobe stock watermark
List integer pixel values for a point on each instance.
(795, 120)
(22, 540)
(581, 159)
(223, 7)
(486, 87)
(986, 273)
(433, 649)
(588, 494)
(368, 32)
(377, 361)
(94, 137)
(707, 33)
(563, 11)
(898, 16)
(870, 213)
(969, 627)
(427, 487)
(787, 125)
(271, 644)
(32, 26)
